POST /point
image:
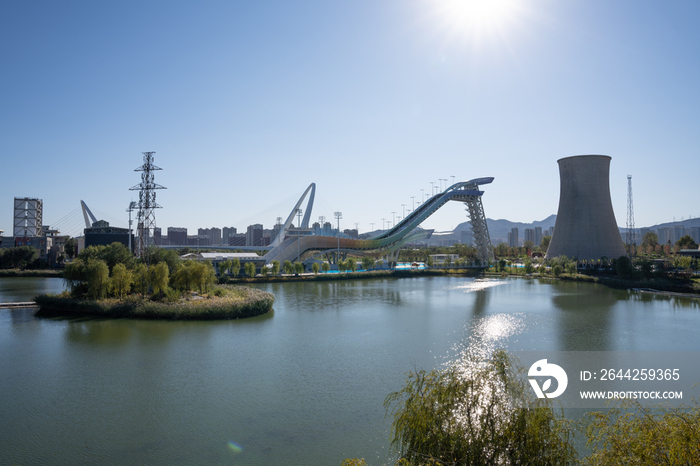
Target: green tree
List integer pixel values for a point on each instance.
(141, 279)
(224, 266)
(529, 268)
(249, 269)
(571, 268)
(682, 262)
(645, 436)
(623, 266)
(315, 268)
(19, 257)
(203, 275)
(544, 245)
(485, 415)
(182, 279)
(98, 283)
(687, 242)
(158, 277)
(69, 247)
(650, 239)
(502, 265)
(529, 245)
(368, 262)
(429, 262)
(502, 250)
(557, 270)
(155, 255)
(75, 276)
(235, 266)
(264, 271)
(325, 266)
(275, 267)
(288, 267)
(298, 268)
(122, 278)
(352, 264)
(118, 253)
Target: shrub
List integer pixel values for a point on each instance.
(478, 415)
(633, 434)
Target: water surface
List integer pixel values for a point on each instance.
(301, 386)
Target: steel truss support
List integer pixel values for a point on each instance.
(480, 231)
(146, 222)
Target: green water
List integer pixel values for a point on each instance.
(302, 386)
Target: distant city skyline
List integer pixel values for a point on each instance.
(378, 103)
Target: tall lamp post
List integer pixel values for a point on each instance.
(338, 216)
(132, 206)
(298, 231)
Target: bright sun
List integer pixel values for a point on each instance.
(478, 18)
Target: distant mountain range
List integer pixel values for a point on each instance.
(499, 229)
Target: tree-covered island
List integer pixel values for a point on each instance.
(109, 281)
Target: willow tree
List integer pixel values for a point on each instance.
(158, 275)
(480, 413)
(98, 282)
(122, 278)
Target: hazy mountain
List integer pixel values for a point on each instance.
(499, 229)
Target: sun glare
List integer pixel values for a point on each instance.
(477, 19)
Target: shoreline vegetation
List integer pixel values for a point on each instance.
(43, 273)
(482, 412)
(226, 302)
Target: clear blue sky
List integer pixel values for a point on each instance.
(246, 103)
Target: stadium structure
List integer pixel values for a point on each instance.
(290, 244)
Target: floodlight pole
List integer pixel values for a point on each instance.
(338, 216)
(132, 206)
(298, 231)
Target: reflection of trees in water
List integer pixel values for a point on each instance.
(585, 320)
(92, 331)
(677, 302)
(481, 301)
(333, 294)
(98, 332)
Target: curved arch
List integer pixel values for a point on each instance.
(305, 224)
(405, 231)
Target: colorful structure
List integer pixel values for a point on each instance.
(388, 243)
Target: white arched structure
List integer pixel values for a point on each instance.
(290, 219)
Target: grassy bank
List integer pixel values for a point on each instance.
(667, 284)
(234, 302)
(31, 273)
(358, 275)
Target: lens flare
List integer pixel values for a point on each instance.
(236, 448)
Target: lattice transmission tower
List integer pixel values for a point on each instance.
(146, 221)
(631, 237)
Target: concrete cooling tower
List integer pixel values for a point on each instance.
(585, 227)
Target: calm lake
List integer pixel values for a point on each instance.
(301, 386)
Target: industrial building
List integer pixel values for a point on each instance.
(585, 228)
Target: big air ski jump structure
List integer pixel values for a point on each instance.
(585, 228)
(291, 244)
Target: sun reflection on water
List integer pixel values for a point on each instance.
(477, 285)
